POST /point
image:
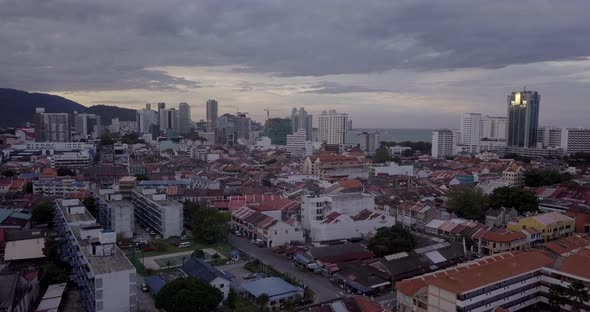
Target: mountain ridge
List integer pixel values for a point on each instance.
(17, 107)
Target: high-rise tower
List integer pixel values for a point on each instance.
(523, 118)
(212, 113)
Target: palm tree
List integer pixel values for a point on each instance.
(557, 297)
(577, 293)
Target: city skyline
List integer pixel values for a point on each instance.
(388, 64)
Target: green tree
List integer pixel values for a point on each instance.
(514, 197)
(50, 251)
(190, 207)
(232, 300)
(210, 224)
(65, 172)
(390, 240)
(381, 155)
(468, 202)
(556, 297)
(8, 173)
(188, 295)
(42, 213)
(141, 177)
(262, 300)
(542, 177)
(577, 294)
(408, 153)
(53, 274)
(198, 253)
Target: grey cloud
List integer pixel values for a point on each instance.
(76, 45)
(326, 87)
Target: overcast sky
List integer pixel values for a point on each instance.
(389, 64)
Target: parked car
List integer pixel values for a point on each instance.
(148, 249)
(144, 287)
(253, 241)
(184, 245)
(249, 276)
(238, 233)
(157, 237)
(184, 237)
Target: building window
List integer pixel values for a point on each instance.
(99, 306)
(98, 294)
(220, 285)
(98, 283)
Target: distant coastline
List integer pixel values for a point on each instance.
(393, 135)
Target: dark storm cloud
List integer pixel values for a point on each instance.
(107, 45)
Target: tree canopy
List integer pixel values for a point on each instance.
(514, 197)
(210, 224)
(381, 155)
(542, 177)
(65, 172)
(390, 240)
(468, 202)
(188, 295)
(8, 173)
(42, 213)
(423, 147)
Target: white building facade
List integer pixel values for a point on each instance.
(105, 278)
(156, 212)
(442, 143)
(332, 127)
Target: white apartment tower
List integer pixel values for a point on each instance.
(158, 213)
(575, 140)
(298, 145)
(471, 131)
(442, 143)
(146, 118)
(332, 127)
(369, 142)
(494, 128)
(105, 278)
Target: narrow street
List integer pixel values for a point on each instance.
(322, 287)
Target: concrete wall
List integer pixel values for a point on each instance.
(121, 290)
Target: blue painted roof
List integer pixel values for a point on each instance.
(5, 213)
(272, 286)
(155, 283)
(30, 175)
(202, 270)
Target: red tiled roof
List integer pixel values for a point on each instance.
(577, 264)
(477, 273)
(566, 244)
(353, 184)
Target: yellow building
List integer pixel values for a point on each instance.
(552, 225)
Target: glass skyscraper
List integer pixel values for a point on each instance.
(523, 118)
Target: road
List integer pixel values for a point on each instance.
(323, 289)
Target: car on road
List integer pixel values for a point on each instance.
(144, 287)
(253, 241)
(249, 276)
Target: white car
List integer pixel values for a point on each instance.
(238, 233)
